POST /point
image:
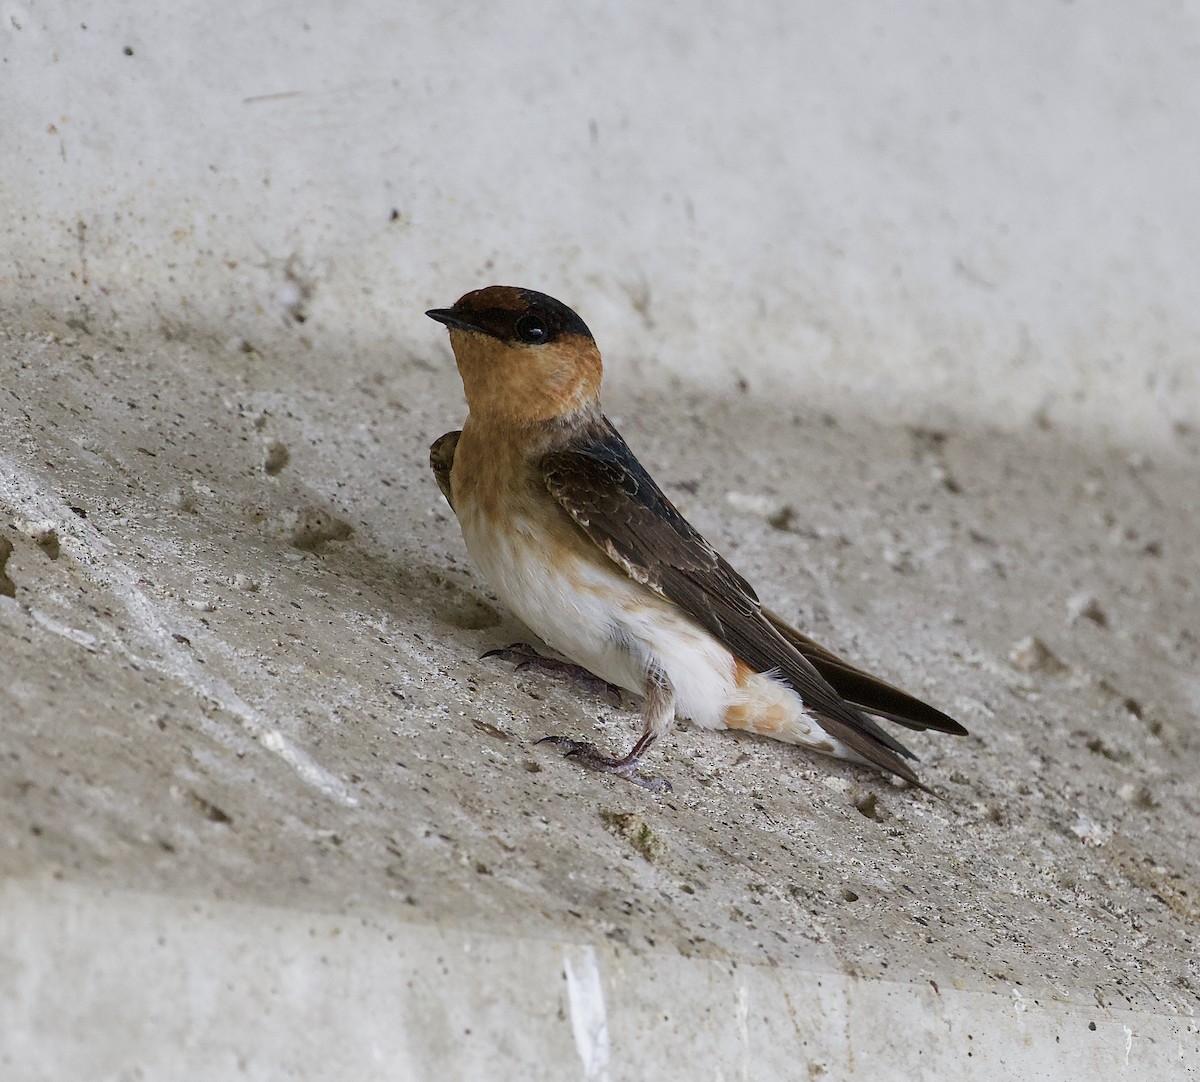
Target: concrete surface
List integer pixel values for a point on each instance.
(899, 307)
(257, 784)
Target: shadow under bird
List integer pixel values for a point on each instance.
(579, 542)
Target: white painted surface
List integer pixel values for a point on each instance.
(589, 1016)
(989, 206)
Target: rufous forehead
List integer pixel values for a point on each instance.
(509, 298)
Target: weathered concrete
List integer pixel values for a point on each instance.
(900, 308)
(215, 990)
(207, 706)
(982, 203)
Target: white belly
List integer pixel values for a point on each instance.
(601, 619)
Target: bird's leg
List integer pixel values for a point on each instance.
(658, 712)
(526, 657)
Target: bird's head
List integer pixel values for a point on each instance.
(523, 357)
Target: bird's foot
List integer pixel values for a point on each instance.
(526, 657)
(588, 755)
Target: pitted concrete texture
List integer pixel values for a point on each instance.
(257, 783)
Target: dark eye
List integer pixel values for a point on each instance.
(532, 328)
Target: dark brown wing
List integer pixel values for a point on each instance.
(618, 505)
(441, 461)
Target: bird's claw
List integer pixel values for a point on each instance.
(517, 651)
(588, 755)
(526, 657)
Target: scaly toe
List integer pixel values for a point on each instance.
(590, 757)
(571, 747)
(525, 657)
(520, 652)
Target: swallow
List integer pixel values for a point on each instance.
(575, 537)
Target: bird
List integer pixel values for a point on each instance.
(578, 541)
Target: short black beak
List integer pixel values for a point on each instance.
(451, 318)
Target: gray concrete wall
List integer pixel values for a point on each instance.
(899, 308)
(985, 205)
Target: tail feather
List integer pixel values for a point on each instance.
(864, 690)
(768, 705)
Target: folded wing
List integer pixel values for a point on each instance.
(600, 483)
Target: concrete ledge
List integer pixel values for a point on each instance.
(122, 985)
(243, 707)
